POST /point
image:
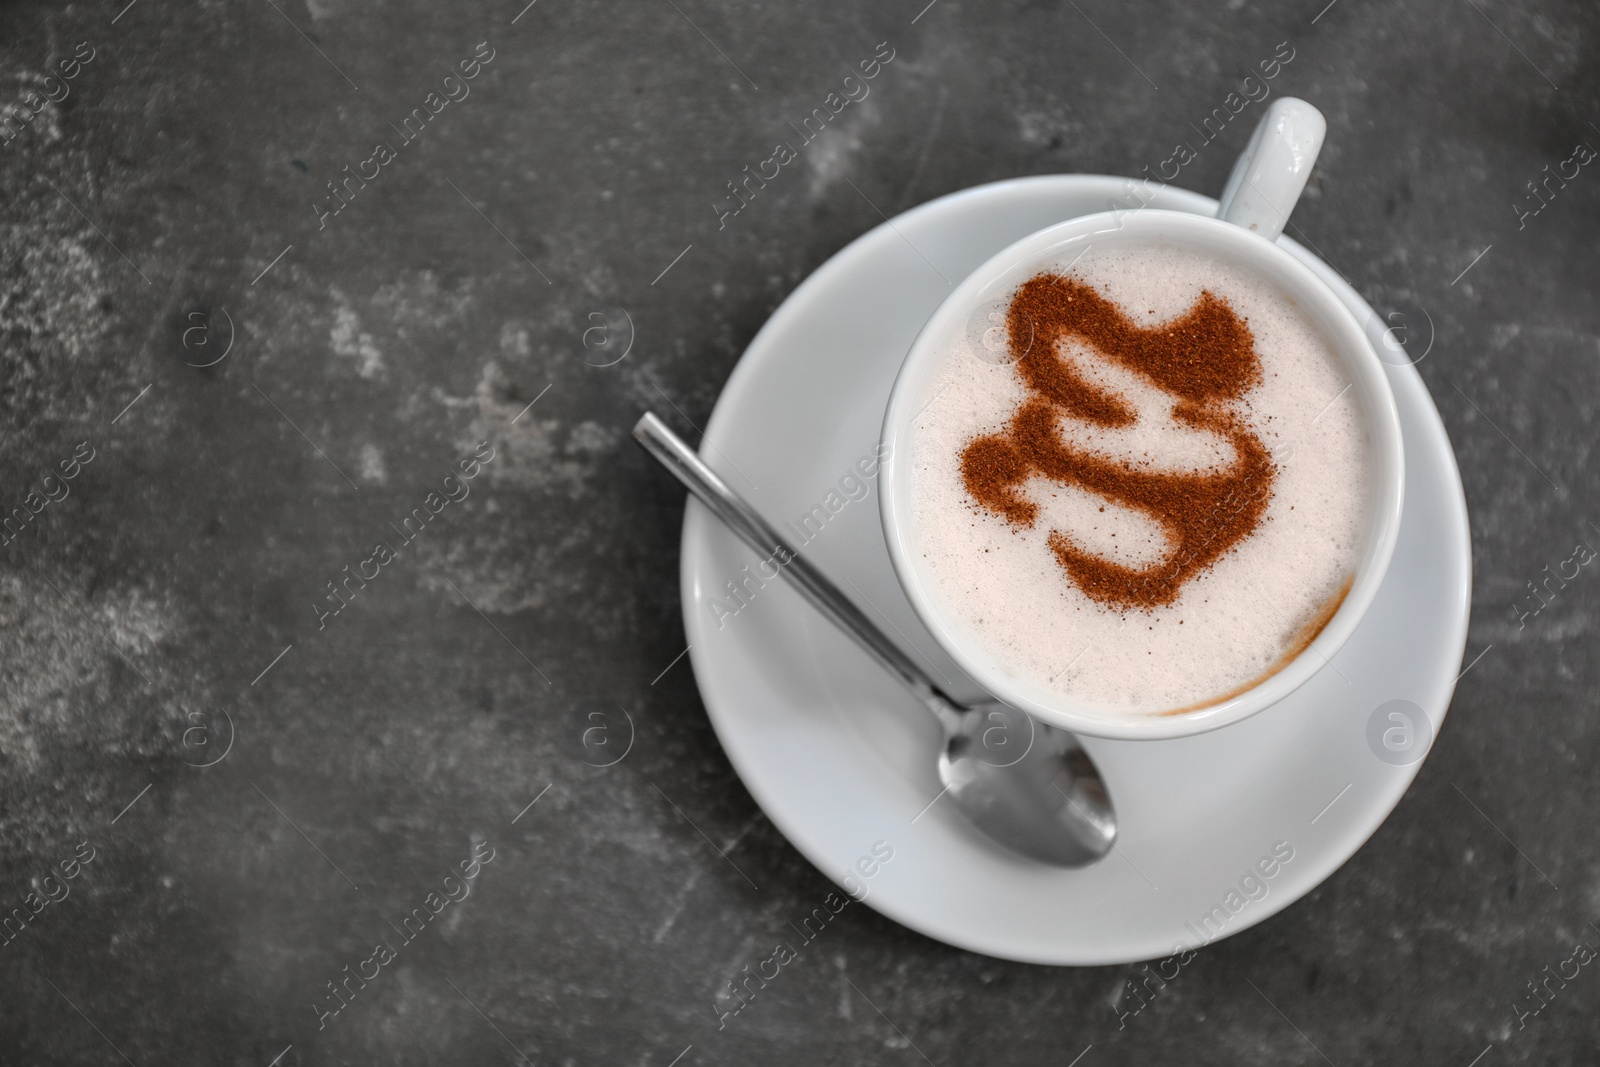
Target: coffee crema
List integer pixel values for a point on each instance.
(1153, 498)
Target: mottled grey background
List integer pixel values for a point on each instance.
(373, 355)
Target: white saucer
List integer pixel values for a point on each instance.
(840, 757)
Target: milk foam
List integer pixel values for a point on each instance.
(1233, 622)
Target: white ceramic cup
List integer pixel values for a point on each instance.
(1255, 205)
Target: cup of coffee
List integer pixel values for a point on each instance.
(1145, 469)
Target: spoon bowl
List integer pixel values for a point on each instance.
(1028, 785)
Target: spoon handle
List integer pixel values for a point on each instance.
(737, 514)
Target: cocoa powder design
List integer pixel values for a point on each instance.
(1206, 358)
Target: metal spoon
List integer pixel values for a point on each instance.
(1029, 786)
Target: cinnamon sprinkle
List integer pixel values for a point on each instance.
(1206, 358)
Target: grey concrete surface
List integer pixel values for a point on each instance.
(165, 204)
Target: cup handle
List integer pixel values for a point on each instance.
(1272, 171)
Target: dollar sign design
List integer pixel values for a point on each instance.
(1205, 358)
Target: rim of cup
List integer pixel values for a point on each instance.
(1047, 249)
